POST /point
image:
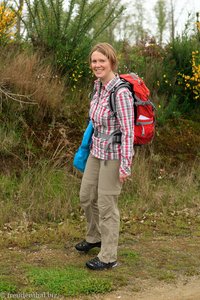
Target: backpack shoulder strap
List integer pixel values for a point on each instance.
(91, 94)
(112, 99)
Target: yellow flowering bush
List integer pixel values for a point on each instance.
(192, 82)
(8, 20)
(198, 26)
(75, 77)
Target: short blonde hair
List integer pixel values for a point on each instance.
(108, 51)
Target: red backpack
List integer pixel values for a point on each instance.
(144, 109)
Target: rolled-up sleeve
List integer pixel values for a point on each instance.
(125, 116)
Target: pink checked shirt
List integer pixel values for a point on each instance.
(105, 123)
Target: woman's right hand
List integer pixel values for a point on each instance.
(123, 178)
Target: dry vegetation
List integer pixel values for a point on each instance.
(37, 153)
(25, 79)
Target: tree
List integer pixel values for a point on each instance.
(172, 21)
(161, 16)
(19, 5)
(131, 27)
(108, 35)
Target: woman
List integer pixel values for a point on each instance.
(109, 164)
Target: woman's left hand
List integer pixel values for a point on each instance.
(123, 178)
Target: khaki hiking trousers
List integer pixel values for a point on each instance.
(99, 193)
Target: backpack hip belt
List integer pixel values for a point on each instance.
(114, 137)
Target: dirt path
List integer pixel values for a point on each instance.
(184, 290)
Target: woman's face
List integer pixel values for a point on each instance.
(101, 66)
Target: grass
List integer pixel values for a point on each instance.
(147, 252)
(41, 194)
(9, 139)
(69, 281)
(6, 286)
(157, 187)
(46, 193)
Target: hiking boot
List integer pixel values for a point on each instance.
(85, 246)
(96, 264)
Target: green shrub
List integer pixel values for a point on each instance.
(168, 109)
(66, 34)
(178, 63)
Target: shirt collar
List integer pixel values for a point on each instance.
(110, 84)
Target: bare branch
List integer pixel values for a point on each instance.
(16, 97)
